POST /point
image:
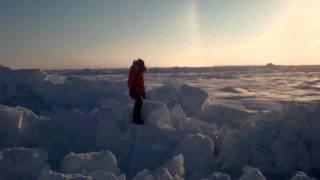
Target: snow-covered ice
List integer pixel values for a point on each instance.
(10, 126)
(210, 123)
(22, 163)
(85, 163)
(250, 173)
(173, 170)
(197, 151)
(50, 175)
(218, 176)
(302, 176)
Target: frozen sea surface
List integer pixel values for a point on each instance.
(253, 88)
(246, 123)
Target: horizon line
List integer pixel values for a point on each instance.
(165, 67)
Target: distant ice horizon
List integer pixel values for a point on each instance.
(225, 122)
(165, 67)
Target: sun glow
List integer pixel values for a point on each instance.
(291, 36)
(196, 43)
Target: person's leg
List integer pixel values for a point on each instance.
(140, 110)
(137, 110)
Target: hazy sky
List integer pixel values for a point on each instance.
(110, 33)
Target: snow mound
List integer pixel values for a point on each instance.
(50, 175)
(175, 167)
(144, 175)
(218, 176)
(35, 90)
(250, 173)
(302, 176)
(103, 175)
(86, 163)
(173, 170)
(22, 163)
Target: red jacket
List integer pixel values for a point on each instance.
(136, 81)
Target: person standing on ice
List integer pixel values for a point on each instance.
(137, 89)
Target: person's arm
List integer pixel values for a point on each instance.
(143, 87)
(131, 83)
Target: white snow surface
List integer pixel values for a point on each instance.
(218, 124)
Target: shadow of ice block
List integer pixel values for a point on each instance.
(22, 163)
(10, 126)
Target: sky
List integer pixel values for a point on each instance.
(111, 33)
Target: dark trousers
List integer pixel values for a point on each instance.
(137, 119)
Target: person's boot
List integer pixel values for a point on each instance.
(140, 121)
(137, 119)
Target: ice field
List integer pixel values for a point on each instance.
(219, 123)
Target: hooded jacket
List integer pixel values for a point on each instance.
(136, 81)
